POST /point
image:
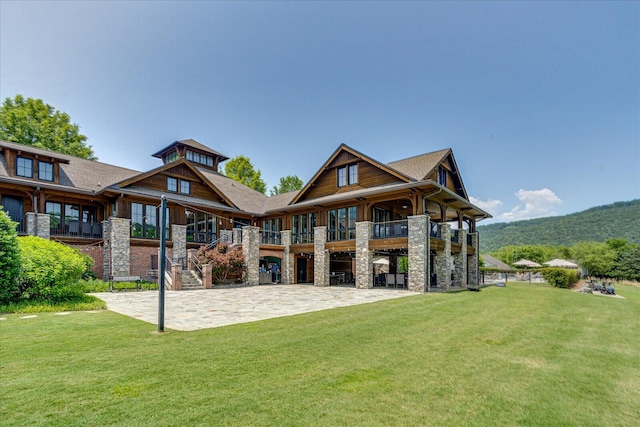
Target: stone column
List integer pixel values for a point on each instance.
(321, 259)
(443, 258)
(39, 224)
(288, 261)
(473, 262)
(119, 237)
(227, 236)
(364, 255)
(460, 261)
(236, 236)
(251, 252)
(106, 250)
(179, 238)
(419, 253)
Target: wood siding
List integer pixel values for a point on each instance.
(369, 176)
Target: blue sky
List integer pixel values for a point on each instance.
(540, 101)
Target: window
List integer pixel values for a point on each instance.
(201, 227)
(348, 175)
(45, 171)
(54, 210)
(442, 176)
(24, 167)
(353, 174)
(342, 177)
(185, 187)
(271, 231)
(171, 157)
(203, 159)
(145, 221)
(341, 223)
(303, 228)
(172, 184)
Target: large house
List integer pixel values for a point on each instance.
(356, 217)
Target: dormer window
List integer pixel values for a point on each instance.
(348, 175)
(203, 159)
(45, 171)
(171, 157)
(24, 167)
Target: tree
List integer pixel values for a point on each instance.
(9, 259)
(32, 122)
(287, 183)
(627, 264)
(241, 169)
(597, 259)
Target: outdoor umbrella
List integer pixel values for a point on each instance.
(526, 263)
(561, 263)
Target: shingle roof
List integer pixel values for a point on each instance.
(418, 167)
(245, 198)
(77, 172)
(193, 144)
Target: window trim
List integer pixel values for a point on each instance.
(19, 167)
(345, 175)
(42, 163)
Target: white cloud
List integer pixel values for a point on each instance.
(492, 206)
(534, 204)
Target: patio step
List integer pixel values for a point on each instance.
(189, 282)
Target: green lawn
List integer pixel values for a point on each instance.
(519, 355)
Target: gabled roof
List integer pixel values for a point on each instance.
(75, 172)
(244, 198)
(421, 166)
(180, 162)
(345, 148)
(493, 262)
(193, 144)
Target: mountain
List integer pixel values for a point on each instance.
(599, 224)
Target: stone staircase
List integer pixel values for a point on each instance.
(190, 281)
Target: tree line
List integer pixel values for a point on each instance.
(616, 259)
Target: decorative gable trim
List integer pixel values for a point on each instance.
(179, 163)
(343, 156)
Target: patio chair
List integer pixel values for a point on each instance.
(74, 227)
(391, 280)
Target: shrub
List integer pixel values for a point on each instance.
(225, 261)
(560, 277)
(50, 270)
(9, 259)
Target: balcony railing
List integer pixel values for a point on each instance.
(201, 236)
(271, 238)
(89, 230)
(390, 229)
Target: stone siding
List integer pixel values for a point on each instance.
(321, 260)
(287, 269)
(443, 259)
(460, 261)
(251, 252)
(418, 253)
(39, 224)
(364, 255)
